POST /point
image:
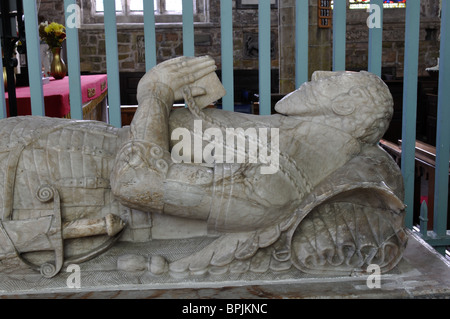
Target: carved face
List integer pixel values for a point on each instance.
(357, 102)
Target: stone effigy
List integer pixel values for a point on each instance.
(307, 189)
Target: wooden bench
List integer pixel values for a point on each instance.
(425, 165)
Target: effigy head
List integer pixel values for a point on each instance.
(359, 103)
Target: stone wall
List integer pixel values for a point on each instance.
(51, 11)
(245, 32)
(168, 37)
(321, 42)
(393, 39)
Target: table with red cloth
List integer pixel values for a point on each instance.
(56, 95)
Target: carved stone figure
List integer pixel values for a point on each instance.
(325, 200)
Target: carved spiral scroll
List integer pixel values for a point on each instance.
(45, 193)
(48, 270)
(156, 152)
(162, 166)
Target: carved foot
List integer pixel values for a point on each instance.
(158, 265)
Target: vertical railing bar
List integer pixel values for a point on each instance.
(149, 34)
(73, 57)
(34, 58)
(423, 217)
(3, 113)
(301, 41)
(410, 105)
(226, 30)
(112, 63)
(443, 128)
(264, 38)
(339, 31)
(188, 28)
(376, 40)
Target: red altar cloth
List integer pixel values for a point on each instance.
(56, 95)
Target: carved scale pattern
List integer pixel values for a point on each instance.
(347, 237)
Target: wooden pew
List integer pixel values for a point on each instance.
(425, 164)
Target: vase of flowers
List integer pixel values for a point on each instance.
(54, 35)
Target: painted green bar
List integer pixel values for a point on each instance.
(150, 35)
(264, 57)
(34, 58)
(301, 41)
(73, 58)
(226, 24)
(339, 30)
(423, 219)
(3, 113)
(376, 37)
(443, 127)
(438, 243)
(410, 104)
(188, 28)
(112, 63)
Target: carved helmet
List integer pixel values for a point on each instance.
(357, 102)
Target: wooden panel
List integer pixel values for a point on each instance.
(424, 176)
(324, 13)
(127, 113)
(128, 87)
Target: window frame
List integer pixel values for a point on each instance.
(354, 5)
(126, 16)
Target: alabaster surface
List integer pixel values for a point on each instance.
(318, 196)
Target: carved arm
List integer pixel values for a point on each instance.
(143, 161)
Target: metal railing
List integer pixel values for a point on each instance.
(438, 237)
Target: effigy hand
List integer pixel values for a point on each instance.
(178, 73)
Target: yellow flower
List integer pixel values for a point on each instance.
(53, 34)
(55, 28)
